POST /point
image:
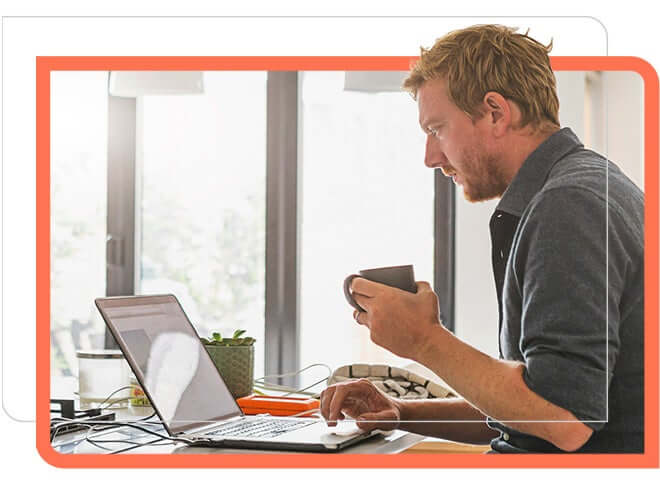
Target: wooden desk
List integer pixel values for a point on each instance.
(431, 445)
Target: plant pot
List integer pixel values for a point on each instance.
(236, 365)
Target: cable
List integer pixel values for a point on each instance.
(155, 442)
(305, 388)
(58, 423)
(112, 394)
(296, 373)
(138, 445)
(61, 422)
(291, 390)
(64, 422)
(103, 426)
(274, 387)
(143, 419)
(261, 382)
(110, 405)
(93, 428)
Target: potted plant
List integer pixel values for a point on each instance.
(234, 358)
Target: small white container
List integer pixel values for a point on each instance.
(100, 373)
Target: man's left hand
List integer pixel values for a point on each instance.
(400, 321)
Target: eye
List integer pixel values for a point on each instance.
(434, 131)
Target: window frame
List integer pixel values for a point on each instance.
(282, 273)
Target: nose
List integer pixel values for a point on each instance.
(434, 157)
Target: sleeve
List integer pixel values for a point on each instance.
(560, 262)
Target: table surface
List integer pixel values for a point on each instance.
(396, 442)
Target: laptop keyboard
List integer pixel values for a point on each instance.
(261, 428)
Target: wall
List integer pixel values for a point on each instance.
(625, 91)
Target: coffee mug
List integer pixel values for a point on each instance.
(402, 277)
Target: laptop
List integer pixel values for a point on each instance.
(187, 391)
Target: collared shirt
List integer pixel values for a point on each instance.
(568, 261)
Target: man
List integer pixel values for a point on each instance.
(567, 244)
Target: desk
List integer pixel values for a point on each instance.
(395, 443)
(398, 442)
(432, 445)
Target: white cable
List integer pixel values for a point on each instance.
(305, 388)
(296, 373)
(261, 383)
(276, 387)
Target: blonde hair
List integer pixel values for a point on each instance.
(485, 58)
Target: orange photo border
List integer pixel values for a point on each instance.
(44, 65)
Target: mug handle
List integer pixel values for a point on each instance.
(347, 291)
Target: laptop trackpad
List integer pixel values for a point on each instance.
(345, 429)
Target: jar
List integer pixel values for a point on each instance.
(101, 372)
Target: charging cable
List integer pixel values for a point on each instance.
(262, 384)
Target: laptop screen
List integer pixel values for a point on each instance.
(171, 363)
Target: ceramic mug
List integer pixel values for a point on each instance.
(402, 277)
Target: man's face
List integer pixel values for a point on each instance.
(463, 149)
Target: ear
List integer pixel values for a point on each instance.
(498, 111)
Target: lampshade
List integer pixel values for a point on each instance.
(374, 81)
(141, 83)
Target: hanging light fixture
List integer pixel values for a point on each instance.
(141, 83)
(374, 81)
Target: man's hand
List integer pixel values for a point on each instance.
(400, 321)
(361, 400)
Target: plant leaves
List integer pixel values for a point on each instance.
(217, 339)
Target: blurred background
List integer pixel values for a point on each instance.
(182, 190)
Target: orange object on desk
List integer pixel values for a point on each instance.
(277, 405)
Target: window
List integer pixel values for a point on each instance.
(367, 201)
(202, 160)
(194, 167)
(79, 109)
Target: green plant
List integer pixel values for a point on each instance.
(216, 338)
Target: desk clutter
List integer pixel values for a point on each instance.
(98, 430)
(395, 382)
(72, 420)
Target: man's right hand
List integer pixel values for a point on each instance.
(361, 400)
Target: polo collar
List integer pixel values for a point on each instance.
(534, 171)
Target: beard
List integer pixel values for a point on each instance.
(482, 176)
